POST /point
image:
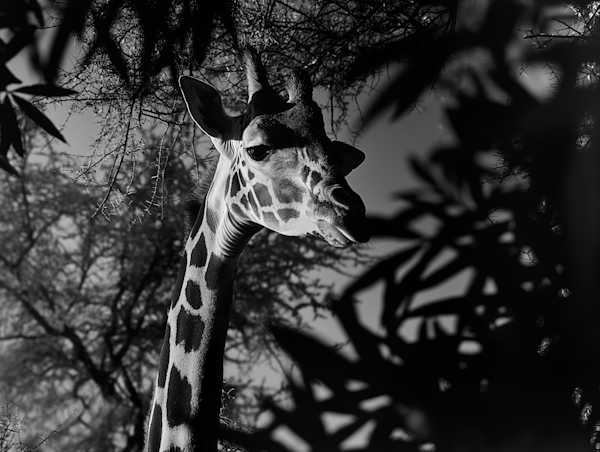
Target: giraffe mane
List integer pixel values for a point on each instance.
(196, 197)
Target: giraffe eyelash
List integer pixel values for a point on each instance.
(259, 152)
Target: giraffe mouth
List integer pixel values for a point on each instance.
(334, 235)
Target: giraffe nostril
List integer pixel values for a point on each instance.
(340, 197)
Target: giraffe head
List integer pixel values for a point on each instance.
(277, 167)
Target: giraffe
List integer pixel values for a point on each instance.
(277, 169)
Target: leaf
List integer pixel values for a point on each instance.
(421, 170)
(255, 442)
(21, 39)
(10, 127)
(72, 21)
(13, 14)
(381, 269)
(7, 77)
(37, 11)
(364, 341)
(7, 166)
(410, 283)
(316, 359)
(45, 90)
(446, 273)
(424, 66)
(39, 118)
(453, 305)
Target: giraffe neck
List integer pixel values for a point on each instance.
(187, 399)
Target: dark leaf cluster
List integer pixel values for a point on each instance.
(21, 20)
(165, 31)
(166, 35)
(510, 361)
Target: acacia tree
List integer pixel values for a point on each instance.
(84, 300)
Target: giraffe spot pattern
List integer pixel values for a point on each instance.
(287, 192)
(237, 210)
(155, 430)
(235, 185)
(190, 329)
(253, 204)
(212, 272)
(198, 221)
(270, 219)
(211, 220)
(199, 253)
(178, 399)
(312, 155)
(250, 175)
(180, 277)
(315, 178)
(244, 201)
(262, 195)
(288, 214)
(305, 173)
(163, 365)
(193, 295)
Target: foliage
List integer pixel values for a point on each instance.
(156, 46)
(324, 36)
(20, 20)
(510, 362)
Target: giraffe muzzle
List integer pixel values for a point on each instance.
(343, 221)
(349, 215)
(334, 235)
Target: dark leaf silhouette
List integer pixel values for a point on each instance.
(73, 21)
(510, 354)
(404, 90)
(7, 77)
(6, 166)
(10, 126)
(45, 90)
(20, 40)
(38, 117)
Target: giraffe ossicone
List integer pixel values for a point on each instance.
(277, 169)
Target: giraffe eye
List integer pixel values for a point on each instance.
(259, 152)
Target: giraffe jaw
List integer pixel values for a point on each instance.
(334, 235)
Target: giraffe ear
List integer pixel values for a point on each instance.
(205, 106)
(347, 156)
